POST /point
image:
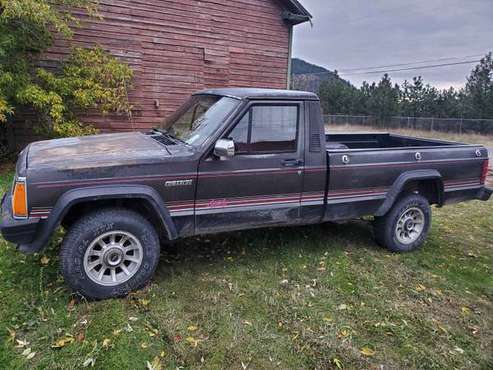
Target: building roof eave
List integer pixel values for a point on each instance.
(295, 13)
(295, 19)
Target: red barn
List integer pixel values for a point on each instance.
(176, 47)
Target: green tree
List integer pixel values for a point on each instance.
(88, 79)
(415, 98)
(448, 104)
(479, 90)
(338, 97)
(383, 99)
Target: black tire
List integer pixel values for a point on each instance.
(87, 229)
(385, 228)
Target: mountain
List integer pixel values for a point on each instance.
(300, 67)
(308, 77)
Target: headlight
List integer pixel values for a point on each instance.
(19, 198)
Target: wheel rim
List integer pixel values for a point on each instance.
(113, 258)
(410, 225)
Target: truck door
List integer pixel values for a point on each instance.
(261, 184)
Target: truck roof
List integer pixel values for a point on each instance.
(252, 93)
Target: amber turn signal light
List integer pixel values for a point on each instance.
(19, 200)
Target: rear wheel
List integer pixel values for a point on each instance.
(109, 253)
(405, 227)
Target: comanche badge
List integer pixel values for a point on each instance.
(171, 183)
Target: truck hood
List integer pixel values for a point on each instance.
(94, 151)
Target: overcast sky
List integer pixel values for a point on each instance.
(350, 34)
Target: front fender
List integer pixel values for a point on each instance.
(72, 197)
(404, 179)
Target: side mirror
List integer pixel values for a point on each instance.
(224, 148)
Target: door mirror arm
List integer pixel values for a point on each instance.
(224, 148)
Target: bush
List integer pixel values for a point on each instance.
(90, 79)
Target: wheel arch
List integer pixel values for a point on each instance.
(428, 183)
(104, 195)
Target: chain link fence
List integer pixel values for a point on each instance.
(450, 125)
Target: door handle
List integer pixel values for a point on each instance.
(292, 163)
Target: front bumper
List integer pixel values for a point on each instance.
(20, 232)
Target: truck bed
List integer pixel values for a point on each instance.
(378, 140)
(364, 169)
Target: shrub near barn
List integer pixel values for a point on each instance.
(89, 79)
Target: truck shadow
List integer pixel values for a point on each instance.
(266, 245)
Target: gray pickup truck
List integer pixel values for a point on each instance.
(229, 159)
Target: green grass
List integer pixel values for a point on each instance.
(289, 298)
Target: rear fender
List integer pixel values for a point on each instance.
(406, 178)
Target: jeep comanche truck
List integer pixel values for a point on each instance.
(229, 159)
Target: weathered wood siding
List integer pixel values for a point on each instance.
(179, 46)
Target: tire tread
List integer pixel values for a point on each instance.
(70, 252)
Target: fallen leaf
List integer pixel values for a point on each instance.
(106, 343)
(343, 333)
(26, 352)
(342, 307)
(12, 335)
(247, 323)
(144, 302)
(89, 362)
(81, 336)
(44, 261)
(474, 330)
(466, 310)
(192, 341)
(442, 328)
(144, 345)
(155, 364)
(458, 349)
(192, 328)
(366, 351)
(337, 362)
(21, 343)
(62, 342)
(152, 331)
(420, 288)
(31, 356)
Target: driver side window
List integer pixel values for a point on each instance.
(267, 129)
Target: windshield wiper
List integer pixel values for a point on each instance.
(168, 135)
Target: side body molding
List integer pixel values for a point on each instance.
(72, 197)
(405, 178)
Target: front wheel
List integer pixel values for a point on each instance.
(405, 227)
(109, 253)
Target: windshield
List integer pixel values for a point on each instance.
(200, 117)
